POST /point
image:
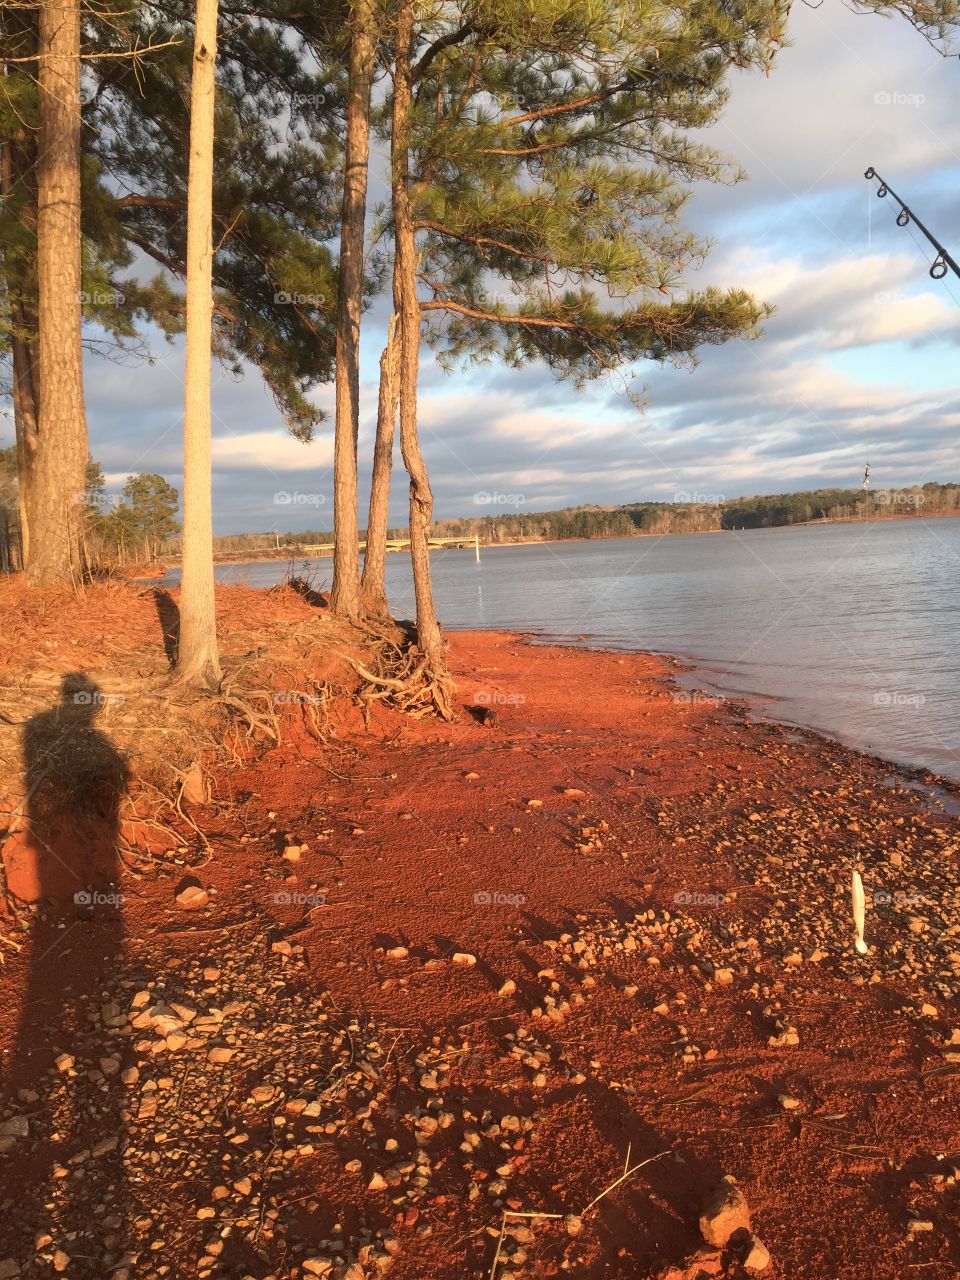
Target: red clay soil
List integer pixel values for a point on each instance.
(661, 882)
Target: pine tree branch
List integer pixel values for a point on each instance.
(479, 241)
(474, 313)
(452, 38)
(149, 202)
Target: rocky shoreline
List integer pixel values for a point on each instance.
(575, 994)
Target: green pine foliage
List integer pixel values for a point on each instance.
(276, 183)
(553, 159)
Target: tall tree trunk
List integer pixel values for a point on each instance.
(57, 480)
(406, 303)
(374, 560)
(198, 658)
(345, 593)
(17, 161)
(26, 416)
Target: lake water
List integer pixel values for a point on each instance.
(850, 629)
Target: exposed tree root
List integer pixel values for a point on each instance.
(403, 676)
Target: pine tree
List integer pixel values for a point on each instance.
(544, 150)
(54, 496)
(198, 656)
(345, 593)
(275, 195)
(276, 181)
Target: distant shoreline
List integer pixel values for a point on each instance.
(291, 554)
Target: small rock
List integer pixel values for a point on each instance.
(192, 897)
(725, 1211)
(573, 1223)
(508, 988)
(757, 1256)
(398, 953)
(464, 958)
(788, 1103)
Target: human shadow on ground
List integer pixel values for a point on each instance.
(61, 1087)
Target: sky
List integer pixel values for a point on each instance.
(856, 365)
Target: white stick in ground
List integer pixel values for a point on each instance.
(859, 903)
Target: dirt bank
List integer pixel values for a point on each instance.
(440, 972)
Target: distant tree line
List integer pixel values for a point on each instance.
(637, 518)
(132, 528)
(760, 512)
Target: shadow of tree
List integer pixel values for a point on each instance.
(169, 615)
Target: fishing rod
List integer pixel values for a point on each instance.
(943, 261)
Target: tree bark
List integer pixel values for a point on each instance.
(198, 657)
(406, 304)
(26, 415)
(57, 474)
(345, 594)
(374, 561)
(17, 161)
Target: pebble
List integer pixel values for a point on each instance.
(725, 1211)
(758, 1255)
(192, 897)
